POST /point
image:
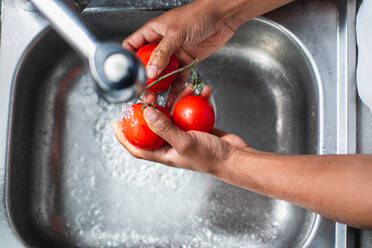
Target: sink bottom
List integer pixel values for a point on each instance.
(85, 190)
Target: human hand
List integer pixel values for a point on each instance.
(192, 31)
(190, 150)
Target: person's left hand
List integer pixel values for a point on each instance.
(190, 150)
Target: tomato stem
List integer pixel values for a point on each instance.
(197, 84)
(190, 66)
(141, 100)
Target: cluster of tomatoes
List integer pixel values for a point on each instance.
(192, 112)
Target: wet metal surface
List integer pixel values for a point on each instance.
(70, 184)
(86, 191)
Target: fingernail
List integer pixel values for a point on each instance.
(152, 71)
(150, 114)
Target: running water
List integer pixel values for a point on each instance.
(115, 200)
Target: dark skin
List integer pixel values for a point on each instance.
(336, 186)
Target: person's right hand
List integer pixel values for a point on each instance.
(191, 31)
(200, 151)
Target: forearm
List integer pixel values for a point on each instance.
(337, 187)
(237, 12)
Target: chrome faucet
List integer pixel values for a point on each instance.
(118, 73)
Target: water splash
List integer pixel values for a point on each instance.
(115, 200)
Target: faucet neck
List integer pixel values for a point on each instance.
(81, 4)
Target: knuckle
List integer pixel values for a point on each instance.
(188, 145)
(162, 126)
(148, 25)
(184, 147)
(193, 138)
(173, 32)
(151, 25)
(176, 35)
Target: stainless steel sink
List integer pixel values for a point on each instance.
(68, 183)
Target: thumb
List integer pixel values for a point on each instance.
(163, 126)
(159, 58)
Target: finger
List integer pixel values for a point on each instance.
(149, 97)
(186, 92)
(206, 91)
(161, 155)
(159, 58)
(165, 154)
(229, 137)
(145, 34)
(184, 57)
(173, 98)
(127, 45)
(179, 84)
(163, 126)
(177, 87)
(219, 132)
(119, 134)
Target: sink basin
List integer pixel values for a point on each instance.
(83, 189)
(70, 184)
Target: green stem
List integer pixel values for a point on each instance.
(197, 84)
(173, 72)
(195, 75)
(141, 100)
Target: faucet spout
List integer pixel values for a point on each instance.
(118, 73)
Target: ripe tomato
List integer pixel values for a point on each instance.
(144, 54)
(194, 113)
(137, 131)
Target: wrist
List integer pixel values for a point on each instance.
(248, 168)
(230, 165)
(237, 12)
(229, 12)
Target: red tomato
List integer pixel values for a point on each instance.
(137, 131)
(194, 113)
(144, 54)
